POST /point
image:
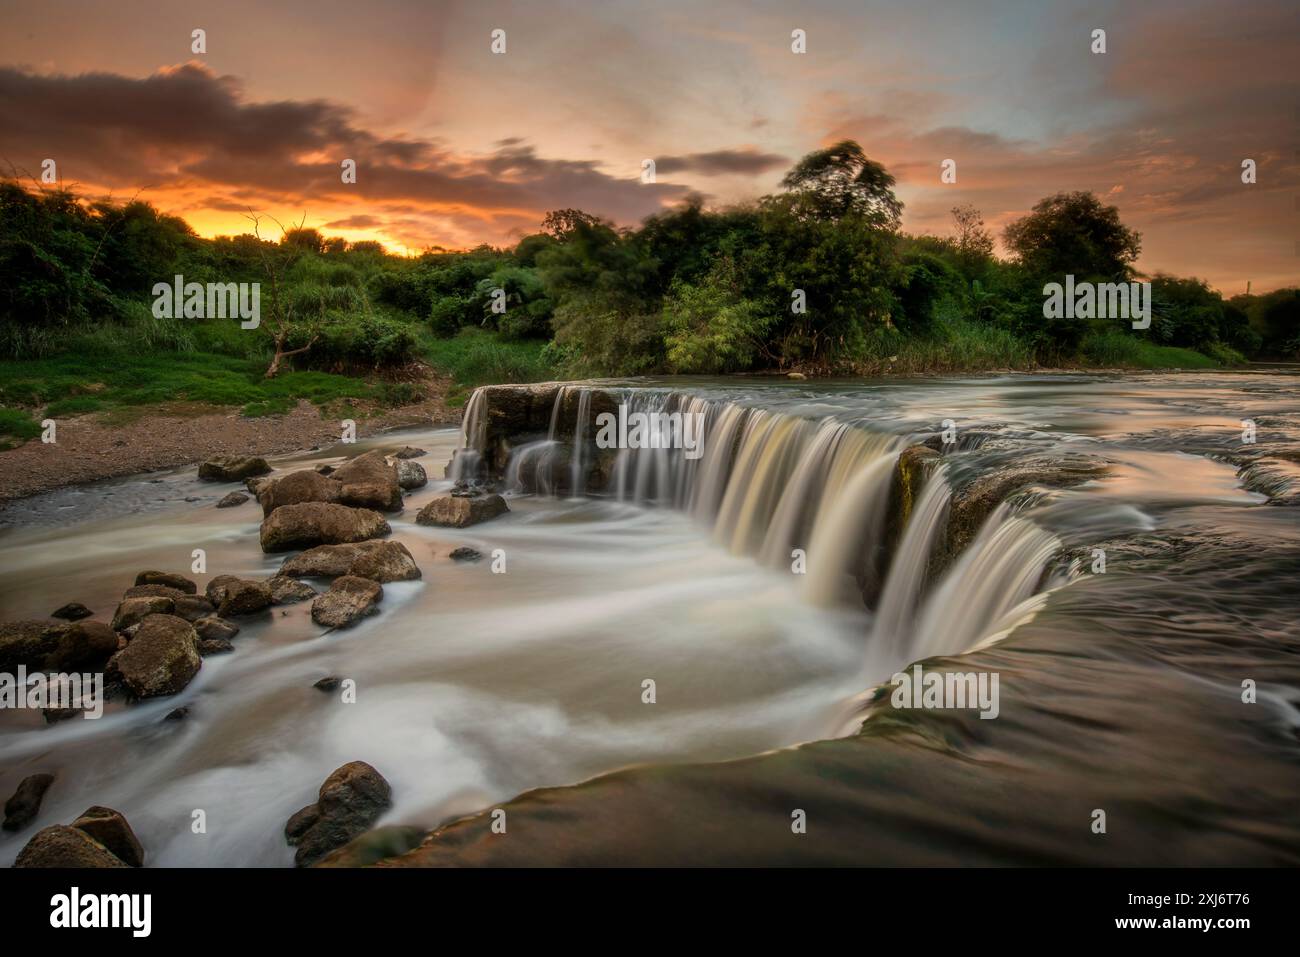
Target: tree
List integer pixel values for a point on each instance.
(561, 222)
(974, 243)
(841, 180)
(282, 311)
(1074, 234)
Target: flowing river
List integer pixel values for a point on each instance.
(1141, 568)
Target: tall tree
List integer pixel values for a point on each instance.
(840, 181)
(1074, 233)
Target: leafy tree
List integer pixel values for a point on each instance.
(841, 181)
(1074, 233)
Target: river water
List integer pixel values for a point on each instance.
(474, 686)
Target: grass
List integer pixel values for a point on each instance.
(476, 357)
(16, 424)
(1114, 348)
(957, 346)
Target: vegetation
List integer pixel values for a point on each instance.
(817, 278)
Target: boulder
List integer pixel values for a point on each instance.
(306, 485)
(154, 591)
(161, 659)
(348, 600)
(132, 611)
(63, 846)
(72, 611)
(193, 607)
(179, 582)
(238, 596)
(255, 485)
(232, 468)
(375, 845)
(378, 561)
(457, 511)
(25, 803)
(287, 591)
(28, 643)
(232, 499)
(349, 803)
(83, 646)
(109, 828)
(318, 523)
(411, 474)
(465, 554)
(215, 629)
(368, 481)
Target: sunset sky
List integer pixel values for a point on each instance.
(456, 145)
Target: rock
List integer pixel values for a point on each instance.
(374, 845)
(379, 561)
(72, 611)
(460, 512)
(161, 659)
(207, 647)
(28, 643)
(325, 469)
(232, 468)
(110, 829)
(177, 714)
(465, 554)
(154, 591)
(132, 611)
(254, 485)
(232, 499)
(238, 596)
(287, 591)
(411, 475)
(409, 452)
(319, 523)
(179, 582)
(348, 600)
(25, 803)
(83, 646)
(328, 684)
(795, 375)
(369, 482)
(350, 801)
(295, 488)
(215, 629)
(62, 846)
(193, 607)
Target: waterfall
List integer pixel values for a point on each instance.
(467, 461)
(908, 573)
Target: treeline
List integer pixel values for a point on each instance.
(818, 278)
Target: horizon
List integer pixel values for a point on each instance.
(457, 146)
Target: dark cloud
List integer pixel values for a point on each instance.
(744, 162)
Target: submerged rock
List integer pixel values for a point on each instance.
(349, 803)
(179, 582)
(207, 647)
(409, 452)
(287, 591)
(316, 523)
(238, 596)
(232, 499)
(232, 468)
(161, 659)
(374, 845)
(378, 561)
(328, 684)
(465, 554)
(25, 803)
(456, 511)
(72, 611)
(63, 846)
(109, 828)
(348, 600)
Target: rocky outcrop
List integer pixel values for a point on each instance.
(160, 660)
(461, 511)
(25, 803)
(369, 481)
(72, 611)
(411, 475)
(287, 591)
(232, 468)
(348, 600)
(63, 846)
(232, 596)
(110, 829)
(348, 804)
(378, 561)
(317, 523)
(179, 582)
